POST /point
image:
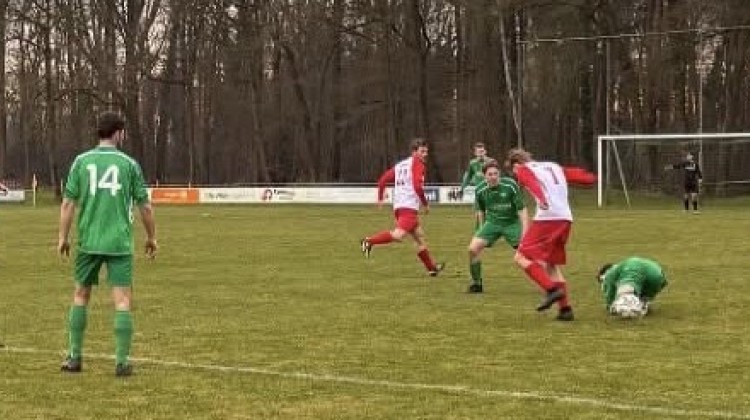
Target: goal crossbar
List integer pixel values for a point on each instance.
(693, 136)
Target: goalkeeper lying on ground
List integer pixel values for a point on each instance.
(630, 285)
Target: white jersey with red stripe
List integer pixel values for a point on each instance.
(554, 185)
(404, 193)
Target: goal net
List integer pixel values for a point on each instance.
(635, 163)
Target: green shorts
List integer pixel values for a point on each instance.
(119, 269)
(491, 232)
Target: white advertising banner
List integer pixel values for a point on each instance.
(311, 195)
(341, 195)
(13, 196)
(231, 195)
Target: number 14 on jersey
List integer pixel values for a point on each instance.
(109, 180)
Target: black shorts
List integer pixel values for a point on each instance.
(691, 188)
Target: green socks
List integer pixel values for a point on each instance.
(123, 333)
(475, 269)
(123, 336)
(76, 328)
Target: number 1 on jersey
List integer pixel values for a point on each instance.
(110, 179)
(552, 173)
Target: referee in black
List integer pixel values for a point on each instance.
(692, 181)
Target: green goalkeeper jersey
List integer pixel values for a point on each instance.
(501, 203)
(643, 274)
(474, 174)
(105, 182)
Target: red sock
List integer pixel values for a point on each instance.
(540, 276)
(424, 255)
(381, 238)
(563, 303)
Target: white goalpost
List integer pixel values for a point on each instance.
(639, 161)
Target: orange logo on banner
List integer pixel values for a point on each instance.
(174, 196)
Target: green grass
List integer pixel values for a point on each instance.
(284, 289)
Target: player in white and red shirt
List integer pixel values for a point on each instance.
(542, 248)
(407, 178)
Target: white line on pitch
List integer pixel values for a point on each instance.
(455, 389)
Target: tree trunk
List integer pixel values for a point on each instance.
(51, 109)
(304, 152)
(506, 71)
(336, 81)
(3, 106)
(420, 43)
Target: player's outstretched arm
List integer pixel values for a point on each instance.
(578, 176)
(669, 167)
(149, 224)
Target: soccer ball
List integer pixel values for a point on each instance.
(628, 306)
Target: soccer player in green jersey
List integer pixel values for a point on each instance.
(474, 174)
(499, 206)
(637, 277)
(104, 183)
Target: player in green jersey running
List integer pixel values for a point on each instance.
(633, 282)
(474, 174)
(499, 206)
(104, 183)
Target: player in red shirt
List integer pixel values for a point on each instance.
(542, 248)
(407, 177)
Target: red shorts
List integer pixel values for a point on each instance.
(407, 219)
(545, 241)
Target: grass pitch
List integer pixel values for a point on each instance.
(272, 312)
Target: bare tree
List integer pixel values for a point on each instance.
(3, 106)
(244, 91)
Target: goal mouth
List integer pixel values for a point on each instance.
(630, 163)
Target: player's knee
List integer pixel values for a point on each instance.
(398, 234)
(122, 297)
(122, 305)
(81, 295)
(521, 259)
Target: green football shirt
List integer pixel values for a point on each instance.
(474, 174)
(105, 182)
(643, 274)
(500, 203)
